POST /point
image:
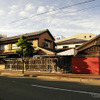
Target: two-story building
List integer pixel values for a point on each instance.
(43, 42)
(74, 41)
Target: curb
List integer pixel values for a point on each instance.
(56, 77)
(69, 79)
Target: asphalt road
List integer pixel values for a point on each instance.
(36, 89)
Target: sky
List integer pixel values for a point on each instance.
(19, 17)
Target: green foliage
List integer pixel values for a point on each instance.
(26, 49)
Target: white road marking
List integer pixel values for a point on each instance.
(93, 94)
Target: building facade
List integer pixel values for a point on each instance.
(70, 43)
(59, 37)
(74, 41)
(41, 40)
(87, 58)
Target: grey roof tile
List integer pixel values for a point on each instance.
(26, 34)
(71, 41)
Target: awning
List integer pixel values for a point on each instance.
(48, 52)
(69, 52)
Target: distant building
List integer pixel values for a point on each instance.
(70, 43)
(86, 36)
(59, 37)
(74, 41)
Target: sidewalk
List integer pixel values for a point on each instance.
(83, 78)
(68, 75)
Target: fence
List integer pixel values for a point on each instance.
(39, 64)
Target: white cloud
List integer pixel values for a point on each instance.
(70, 10)
(52, 10)
(86, 23)
(11, 12)
(1, 12)
(58, 22)
(41, 9)
(23, 13)
(29, 7)
(70, 26)
(26, 11)
(12, 31)
(13, 7)
(66, 14)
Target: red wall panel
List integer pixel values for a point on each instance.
(89, 65)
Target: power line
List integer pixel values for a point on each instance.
(65, 14)
(83, 9)
(52, 11)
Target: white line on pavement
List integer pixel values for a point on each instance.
(93, 94)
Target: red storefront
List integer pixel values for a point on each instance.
(87, 59)
(88, 65)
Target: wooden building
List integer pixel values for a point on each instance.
(41, 40)
(87, 58)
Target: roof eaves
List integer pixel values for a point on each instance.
(88, 42)
(26, 34)
(71, 41)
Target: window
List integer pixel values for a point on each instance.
(77, 45)
(4, 47)
(14, 46)
(65, 46)
(58, 38)
(47, 44)
(84, 36)
(90, 36)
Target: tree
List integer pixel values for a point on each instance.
(25, 48)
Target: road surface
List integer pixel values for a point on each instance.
(38, 89)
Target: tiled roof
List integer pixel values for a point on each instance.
(85, 36)
(27, 34)
(71, 41)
